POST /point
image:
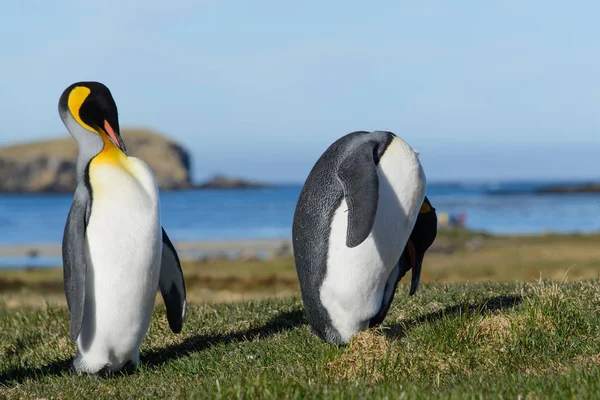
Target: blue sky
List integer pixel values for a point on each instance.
(259, 89)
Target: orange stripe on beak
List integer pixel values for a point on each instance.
(109, 130)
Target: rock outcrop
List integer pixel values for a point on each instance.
(569, 189)
(221, 182)
(49, 166)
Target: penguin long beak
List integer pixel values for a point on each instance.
(111, 134)
(415, 266)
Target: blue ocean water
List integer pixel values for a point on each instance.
(500, 208)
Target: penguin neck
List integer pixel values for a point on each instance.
(89, 144)
(87, 151)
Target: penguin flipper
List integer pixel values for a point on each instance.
(74, 260)
(172, 284)
(358, 175)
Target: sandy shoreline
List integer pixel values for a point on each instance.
(190, 249)
(246, 249)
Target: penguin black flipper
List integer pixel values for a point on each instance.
(74, 261)
(358, 174)
(172, 284)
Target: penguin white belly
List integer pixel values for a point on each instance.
(124, 247)
(354, 283)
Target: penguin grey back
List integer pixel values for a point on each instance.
(351, 160)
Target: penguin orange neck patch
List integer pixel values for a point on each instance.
(425, 208)
(111, 152)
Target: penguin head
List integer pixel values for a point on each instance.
(89, 112)
(421, 238)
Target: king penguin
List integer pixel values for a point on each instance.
(116, 255)
(361, 222)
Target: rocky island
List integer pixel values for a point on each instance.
(570, 189)
(49, 166)
(222, 182)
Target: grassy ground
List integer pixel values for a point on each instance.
(534, 340)
(246, 336)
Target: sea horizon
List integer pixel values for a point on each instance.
(493, 206)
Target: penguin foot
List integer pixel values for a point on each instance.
(105, 372)
(129, 368)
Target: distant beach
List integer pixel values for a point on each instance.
(44, 254)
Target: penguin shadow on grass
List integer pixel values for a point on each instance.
(283, 322)
(155, 358)
(397, 331)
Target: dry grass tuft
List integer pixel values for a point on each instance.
(587, 361)
(493, 329)
(363, 357)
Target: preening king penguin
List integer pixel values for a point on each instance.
(361, 222)
(116, 255)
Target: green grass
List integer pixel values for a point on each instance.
(534, 340)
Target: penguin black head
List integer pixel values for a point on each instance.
(90, 107)
(421, 238)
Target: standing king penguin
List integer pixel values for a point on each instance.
(116, 255)
(361, 222)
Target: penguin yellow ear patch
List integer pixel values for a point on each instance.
(425, 208)
(76, 99)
